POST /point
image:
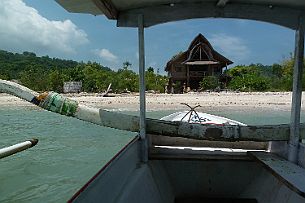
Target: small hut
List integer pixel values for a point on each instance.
(72, 87)
(188, 68)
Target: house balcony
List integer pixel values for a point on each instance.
(198, 74)
(178, 75)
(192, 74)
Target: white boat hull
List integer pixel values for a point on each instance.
(200, 118)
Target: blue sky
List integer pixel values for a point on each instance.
(46, 28)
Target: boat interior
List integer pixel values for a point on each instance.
(186, 174)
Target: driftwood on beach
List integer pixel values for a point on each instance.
(59, 104)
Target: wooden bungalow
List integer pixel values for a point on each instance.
(188, 68)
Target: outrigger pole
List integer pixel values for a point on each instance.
(297, 92)
(57, 103)
(7, 151)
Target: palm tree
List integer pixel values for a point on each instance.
(126, 64)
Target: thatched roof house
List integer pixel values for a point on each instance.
(188, 68)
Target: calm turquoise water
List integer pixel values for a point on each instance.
(70, 151)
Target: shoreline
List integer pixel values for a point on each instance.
(248, 101)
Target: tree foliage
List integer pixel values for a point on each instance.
(49, 74)
(209, 83)
(254, 77)
(126, 80)
(257, 77)
(154, 81)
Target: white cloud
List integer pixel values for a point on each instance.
(230, 46)
(106, 55)
(22, 28)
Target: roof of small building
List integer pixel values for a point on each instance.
(185, 57)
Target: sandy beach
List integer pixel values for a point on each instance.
(157, 102)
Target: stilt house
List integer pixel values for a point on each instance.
(188, 68)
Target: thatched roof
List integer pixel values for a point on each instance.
(205, 48)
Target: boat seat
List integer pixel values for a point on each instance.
(292, 175)
(187, 153)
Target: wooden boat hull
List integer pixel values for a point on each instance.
(194, 178)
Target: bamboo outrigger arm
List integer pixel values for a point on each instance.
(8, 151)
(57, 103)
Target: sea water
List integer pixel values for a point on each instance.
(71, 151)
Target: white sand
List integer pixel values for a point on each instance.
(155, 102)
(8, 100)
(253, 100)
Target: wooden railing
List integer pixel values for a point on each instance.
(178, 75)
(198, 73)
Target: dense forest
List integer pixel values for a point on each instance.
(45, 73)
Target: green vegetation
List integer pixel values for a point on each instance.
(257, 77)
(154, 81)
(209, 83)
(254, 77)
(45, 73)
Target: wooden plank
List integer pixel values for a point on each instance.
(279, 15)
(185, 142)
(80, 6)
(220, 133)
(181, 129)
(158, 153)
(288, 173)
(107, 7)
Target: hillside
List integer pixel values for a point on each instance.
(13, 64)
(49, 74)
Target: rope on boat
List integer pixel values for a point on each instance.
(190, 112)
(57, 103)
